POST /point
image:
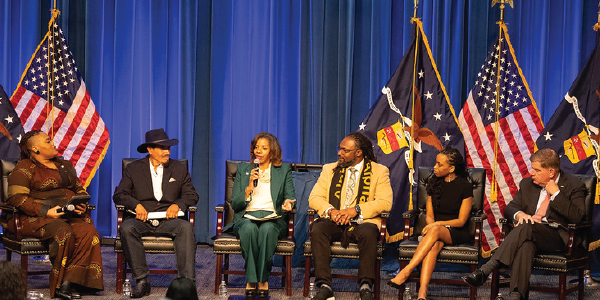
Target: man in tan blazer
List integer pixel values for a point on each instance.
(349, 197)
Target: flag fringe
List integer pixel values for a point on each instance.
(594, 245)
(93, 172)
(394, 238)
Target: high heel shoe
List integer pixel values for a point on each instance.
(395, 285)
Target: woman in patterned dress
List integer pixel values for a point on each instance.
(40, 184)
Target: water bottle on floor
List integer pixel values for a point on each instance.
(127, 288)
(499, 297)
(312, 291)
(223, 289)
(407, 295)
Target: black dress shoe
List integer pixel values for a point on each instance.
(64, 292)
(250, 294)
(263, 294)
(475, 279)
(366, 294)
(75, 294)
(141, 288)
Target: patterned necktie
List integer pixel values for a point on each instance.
(350, 187)
(541, 212)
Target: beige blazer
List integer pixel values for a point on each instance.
(380, 198)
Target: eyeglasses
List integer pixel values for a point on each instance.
(346, 151)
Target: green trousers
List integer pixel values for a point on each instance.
(258, 240)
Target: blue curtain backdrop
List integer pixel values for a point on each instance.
(215, 73)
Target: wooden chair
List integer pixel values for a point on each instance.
(468, 254)
(226, 243)
(152, 244)
(575, 258)
(337, 251)
(15, 241)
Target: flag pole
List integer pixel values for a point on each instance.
(411, 167)
(597, 25)
(494, 185)
(50, 73)
(597, 199)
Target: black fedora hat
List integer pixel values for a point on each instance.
(156, 137)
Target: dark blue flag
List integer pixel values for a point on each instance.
(390, 124)
(573, 131)
(11, 129)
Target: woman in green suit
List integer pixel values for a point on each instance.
(261, 198)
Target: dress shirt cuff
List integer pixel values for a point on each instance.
(515, 215)
(554, 195)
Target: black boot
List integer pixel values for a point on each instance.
(141, 288)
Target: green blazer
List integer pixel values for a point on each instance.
(282, 187)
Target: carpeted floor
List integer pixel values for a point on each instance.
(205, 265)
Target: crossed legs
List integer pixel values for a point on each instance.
(425, 254)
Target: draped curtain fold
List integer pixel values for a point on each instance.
(215, 73)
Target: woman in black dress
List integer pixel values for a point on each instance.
(449, 198)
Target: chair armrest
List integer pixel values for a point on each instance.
(290, 217)
(14, 211)
(410, 213)
(480, 218)
(584, 225)
(120, 211)
(8, 208)
(220, 209)
(382, 231)
(91, 207)
(574, 231)
(311, 215)
(191, 213)
(408, 216)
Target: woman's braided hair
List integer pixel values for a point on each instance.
(25, 144)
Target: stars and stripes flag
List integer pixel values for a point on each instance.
(415, 86)
(573, 132)
(52, 97)
(11, 129)
(500, 123)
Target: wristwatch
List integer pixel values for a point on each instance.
(359, 217)
(357, 208)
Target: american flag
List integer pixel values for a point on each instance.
(518, 126)
(70, 117)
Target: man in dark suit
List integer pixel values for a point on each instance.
(545, 203)
(156, 184)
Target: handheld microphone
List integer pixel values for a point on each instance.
(256, 162)
(66, 208)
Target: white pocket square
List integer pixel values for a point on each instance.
(172, 179)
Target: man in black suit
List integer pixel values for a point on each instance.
(545, 203)
(156, 184)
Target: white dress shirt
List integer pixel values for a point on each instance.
(157, 177)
